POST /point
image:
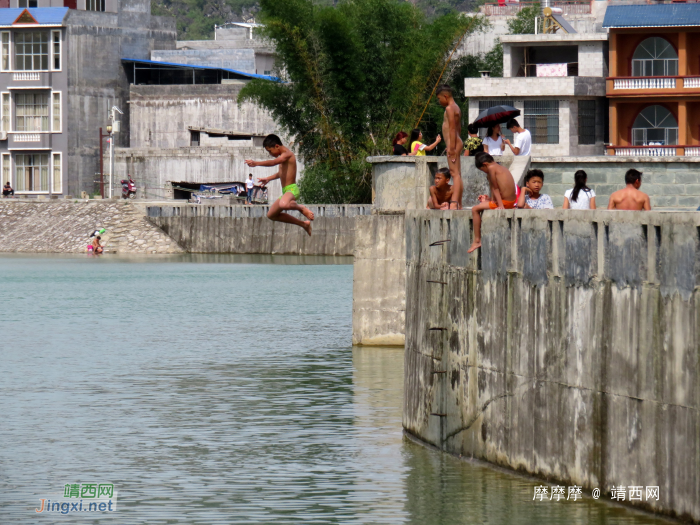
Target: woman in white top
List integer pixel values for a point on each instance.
(493, 142)
(581, 197)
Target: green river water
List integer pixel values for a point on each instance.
(222, 390)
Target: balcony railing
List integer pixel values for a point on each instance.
(26, 75)
(513, 8)
(27, 137)
(622, 83)
(654, 151)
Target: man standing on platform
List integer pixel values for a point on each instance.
(250, 185)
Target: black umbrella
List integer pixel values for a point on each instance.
(496, 115)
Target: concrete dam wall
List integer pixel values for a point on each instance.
(566, 348)
(199, 228)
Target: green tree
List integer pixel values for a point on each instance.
(355, 74)
(524, 21)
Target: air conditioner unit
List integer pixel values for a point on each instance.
(3, 135)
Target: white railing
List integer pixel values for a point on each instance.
(653, 151)
(27, 137)
(692, 82)
(644, 83)
(26, 76)
(692, 152)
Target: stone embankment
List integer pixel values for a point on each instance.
(65, 227)
(566, 347)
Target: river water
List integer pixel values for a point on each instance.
(221, 390)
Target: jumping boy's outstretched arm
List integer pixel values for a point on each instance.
(265, 180)
(284, 157)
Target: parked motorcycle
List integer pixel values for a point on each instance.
(128, 189)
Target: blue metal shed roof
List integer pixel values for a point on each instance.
(191, 66)
(44, 15)
(659, 15)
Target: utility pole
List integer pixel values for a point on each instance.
(102, 164)
(112, 129)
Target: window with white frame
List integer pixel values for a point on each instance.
(56, 50)
(6, 168)
(5, 112)
(28, 3)
(5, 59)
(32, 112)
(56, 111)
(655, 126)
(32, 51)
(32, 172)
(57, 184)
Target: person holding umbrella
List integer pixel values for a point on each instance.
(494, 144)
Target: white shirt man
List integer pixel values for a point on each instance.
(523, 139)
(249, 184)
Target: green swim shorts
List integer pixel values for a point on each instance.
(291, 188)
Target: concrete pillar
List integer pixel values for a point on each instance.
(682, 123)
(614, 139)
(682, 54)
(612, 65)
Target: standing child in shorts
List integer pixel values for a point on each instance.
(287, 174)
(441, 192)
(502, 193)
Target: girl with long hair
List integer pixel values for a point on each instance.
(580, 197)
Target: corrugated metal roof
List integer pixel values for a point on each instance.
(659, 15)
(44, 15)
(191, 66)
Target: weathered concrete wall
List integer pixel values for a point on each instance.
(65, 227)
(238, 59)
(95, 44)
(567, 347)
(246, 229)
(403, 183)
(379, 281)
(672, 183)
(160, 115)
(154, 168)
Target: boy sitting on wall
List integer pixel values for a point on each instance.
(441, 191)
(531, 198)
(502, 193)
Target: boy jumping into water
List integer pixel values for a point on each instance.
(441, 192)
(502, 193)
(287, 175)
(451, 131)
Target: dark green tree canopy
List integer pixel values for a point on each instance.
(354, 75)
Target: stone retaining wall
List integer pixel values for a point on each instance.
(65, 227)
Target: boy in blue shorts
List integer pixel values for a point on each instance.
(287, 174)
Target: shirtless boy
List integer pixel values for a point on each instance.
(502, 193)
(451, 132)
(287, 174)
(630, 198)
(441, 192)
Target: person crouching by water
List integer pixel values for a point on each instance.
(399, 144)
(531, 198)
(441, 191)
(7, 190)
(581, 197)
(417, 147)
(97, 245)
